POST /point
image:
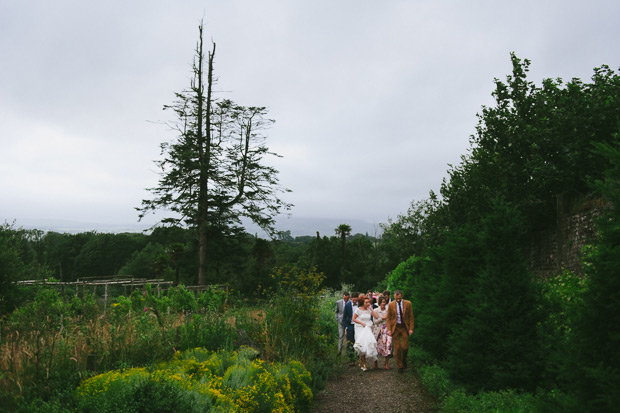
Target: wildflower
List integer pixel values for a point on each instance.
(146, 309)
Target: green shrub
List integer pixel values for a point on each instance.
(201, 381)
(508, 401)
(213, 299)
(181, 299)
(208, 330)
(436, 381)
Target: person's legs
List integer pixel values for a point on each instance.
(342, 339)
(350, 340)
(400, 343)
(405, 347)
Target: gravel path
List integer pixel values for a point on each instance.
(354, 389)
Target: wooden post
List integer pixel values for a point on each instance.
(105, 297)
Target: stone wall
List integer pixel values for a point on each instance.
(560, 248)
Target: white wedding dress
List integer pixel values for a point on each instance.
(365, 342)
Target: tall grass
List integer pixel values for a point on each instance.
(50, 344)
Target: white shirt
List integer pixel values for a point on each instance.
(355, 307)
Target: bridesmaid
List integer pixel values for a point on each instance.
(379, 328)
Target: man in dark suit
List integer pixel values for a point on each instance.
(347, 322)
(339, 314)
(400, 326)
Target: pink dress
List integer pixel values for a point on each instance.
(384, 341)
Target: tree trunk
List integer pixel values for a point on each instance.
(202, 256)
(204, 136)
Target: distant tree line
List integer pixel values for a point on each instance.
(241, 260)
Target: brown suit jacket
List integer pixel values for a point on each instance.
(392, 316)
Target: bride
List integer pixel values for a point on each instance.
(365, 343)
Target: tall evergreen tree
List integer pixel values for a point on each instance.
(496, 346)
(213, 173)
(343, 231)
(461, 261)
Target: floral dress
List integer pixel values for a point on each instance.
(379, 328)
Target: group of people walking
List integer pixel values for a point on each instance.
(371, 325)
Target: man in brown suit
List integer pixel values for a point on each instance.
(400, 327)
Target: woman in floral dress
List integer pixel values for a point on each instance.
(384, 341)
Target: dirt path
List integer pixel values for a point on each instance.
(354, 389)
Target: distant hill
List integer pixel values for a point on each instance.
(74, 227)
(296, 225)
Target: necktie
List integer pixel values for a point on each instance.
(400, 313)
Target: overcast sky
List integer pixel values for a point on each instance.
(372, 99)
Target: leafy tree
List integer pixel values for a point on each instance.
(533, 145)
(147, 262)
(12, 267)
(105, 254)
(409, 234)
(61, 251)
(324, 255)
(213, 174)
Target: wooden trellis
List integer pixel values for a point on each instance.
(88, 283)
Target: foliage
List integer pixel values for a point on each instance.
(532, 145)
(18, 261)
(213, 173)
(500, 401)
(149, 262)
(51, 343)
(198, 380)
(103, 254)
(135, 334)
(436, 381)
(298, 324)
(562, 297)
(289, 330)
(480, 317)
(459, 262)
(496, 345)
(402, 278)
(453, 398)
(596, 368)
(411, 233)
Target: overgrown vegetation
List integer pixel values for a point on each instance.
(197, 381)
(53, 343)
(489, 335)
